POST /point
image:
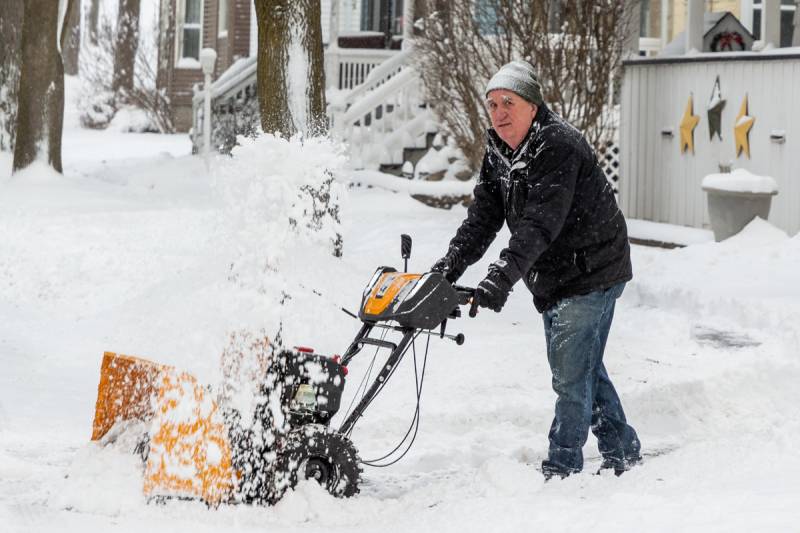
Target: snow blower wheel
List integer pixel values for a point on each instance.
(321, 454)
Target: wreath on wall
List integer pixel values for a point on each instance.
(726, 41)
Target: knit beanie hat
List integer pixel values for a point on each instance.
(519, 77)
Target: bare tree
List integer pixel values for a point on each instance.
(575, 46)
(10, 41)
(40, 117)
(290, 71)
(98, 103)
(126, 43)
(71, 39)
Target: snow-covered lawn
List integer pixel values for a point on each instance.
(132, 250)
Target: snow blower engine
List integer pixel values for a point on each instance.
(204, 452)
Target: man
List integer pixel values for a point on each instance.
(569, 245)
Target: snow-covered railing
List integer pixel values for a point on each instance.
(237, 85)
(383, 115)
(350, 67)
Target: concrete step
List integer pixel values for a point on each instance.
(414, 154)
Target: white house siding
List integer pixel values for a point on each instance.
(349, 17)
(659, 183)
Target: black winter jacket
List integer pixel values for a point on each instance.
(568, 237)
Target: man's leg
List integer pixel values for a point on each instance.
(616, 440)
(575, 330)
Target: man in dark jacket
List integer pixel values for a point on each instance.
(569, 245)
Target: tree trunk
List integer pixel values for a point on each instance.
(71, 38)
(166, 40)
(94, 20)
(10, 42)
(290, 71)
(125, 45)
(40, 117)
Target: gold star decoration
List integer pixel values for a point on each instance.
(688, 124)
(741, 130)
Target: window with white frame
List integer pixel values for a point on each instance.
(189, 32)
(787, 19)
(222, 19)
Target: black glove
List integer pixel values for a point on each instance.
(450, 266)
(493, 291)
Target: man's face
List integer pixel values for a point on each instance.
(511, 115)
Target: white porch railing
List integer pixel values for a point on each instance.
(346, 67)
(383, 115)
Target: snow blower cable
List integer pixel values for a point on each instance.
(414, 422)
(418, 382)
(386, 379)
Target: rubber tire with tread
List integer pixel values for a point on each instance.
(318, 449)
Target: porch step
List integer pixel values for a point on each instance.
(414, 154)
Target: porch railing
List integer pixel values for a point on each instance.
(235, 89)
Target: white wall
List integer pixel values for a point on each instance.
(659, 183)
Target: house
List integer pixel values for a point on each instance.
(662, 20)
(722, 32)
(229, 27)
(687, 116)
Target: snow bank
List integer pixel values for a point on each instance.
(746, 283)
(741, 180)
(393, 183)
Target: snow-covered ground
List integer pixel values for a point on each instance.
(133, 250)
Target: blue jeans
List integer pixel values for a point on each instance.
(576, 330)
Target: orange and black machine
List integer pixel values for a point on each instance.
(411, 304)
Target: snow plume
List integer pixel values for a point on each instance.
(280, 224)
(281, 209)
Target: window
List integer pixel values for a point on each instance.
(382, 16)
(189, 32)
(486, 18)
(222, 19)
(787, 21)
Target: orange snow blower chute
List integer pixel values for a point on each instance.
(188, 454)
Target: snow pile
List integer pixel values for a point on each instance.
(741, 180)
(747, 280)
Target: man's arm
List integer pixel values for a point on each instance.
(485, 217)
(551, 188)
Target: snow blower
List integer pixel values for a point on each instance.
(195, 448)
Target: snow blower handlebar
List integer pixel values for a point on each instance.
(466, 295)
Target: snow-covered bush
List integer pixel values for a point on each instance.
(98, 103)
(97, 108)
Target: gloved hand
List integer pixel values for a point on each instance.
(493, 291)
(449, 265)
